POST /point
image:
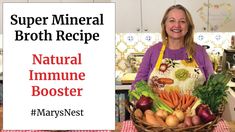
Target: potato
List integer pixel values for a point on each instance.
(138, 113)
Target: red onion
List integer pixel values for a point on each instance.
(144, 103)
(204, 112)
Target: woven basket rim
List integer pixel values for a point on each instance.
(145, 127)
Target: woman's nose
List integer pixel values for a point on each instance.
(177, 24)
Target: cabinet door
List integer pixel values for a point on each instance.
(14, 1)
(199, 11)
(1, 5)
(85, 1)
(43, 1)
(152, 14)
(128, 16)
(222, 15)
(97, 1)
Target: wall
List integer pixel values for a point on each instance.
(127, 43)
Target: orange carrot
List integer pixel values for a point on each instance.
(164, 95)
(167, 102)
(180, 103)
(160, 94)
(189, 102)
(183, 99)
(177, 93)
(194, 101)
(176, 98)
(168, 97)
(172, 98)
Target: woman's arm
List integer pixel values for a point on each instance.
(147, 64)
(204, 62)
(143, 70)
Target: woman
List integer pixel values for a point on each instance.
(177, 62)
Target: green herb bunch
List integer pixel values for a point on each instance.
(214, 92)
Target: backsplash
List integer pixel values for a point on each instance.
(127, 43)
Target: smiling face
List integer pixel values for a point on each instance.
(176, 25)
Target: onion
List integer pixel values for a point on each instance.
(172, 121)
(179, 114)
(204, 112)
(144, 103)
(161, 113)
(196, 120)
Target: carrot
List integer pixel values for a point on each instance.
(183, 100)
(176, 98)
(180, 103)
(189, 102)
(167, 102)
(177, 93)
(165, 81)
(160, 94)
(172, 98)
(168, 97)
(164, 95)
(194, 101)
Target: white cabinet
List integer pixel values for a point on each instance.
(1, 9)
(72, 1)
(1, 5)
(86, 1)
(17, 1)
(128, 16)
(140, 15)
(43, 1)
(152, 14)
(211, 16)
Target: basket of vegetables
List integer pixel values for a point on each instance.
(175, 111)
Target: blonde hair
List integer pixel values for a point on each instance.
(188, 40)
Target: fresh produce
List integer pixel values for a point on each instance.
(182, 125)
(188, 121)
(161, 113)
(179, 114)
(204, 112)
(196, 120)
(176, 100)
(213, 93)
(160, 121)
(172, 121)
(142, 88)
(144, 103)
(152, 119)
(138, 113)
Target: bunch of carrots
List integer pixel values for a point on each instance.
(176, 100)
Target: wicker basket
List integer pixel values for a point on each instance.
(143, 126)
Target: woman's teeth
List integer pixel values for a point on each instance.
(176, 30)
